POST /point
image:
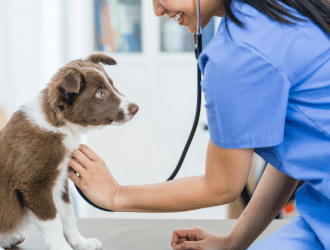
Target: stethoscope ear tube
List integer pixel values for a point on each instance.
(198, 50)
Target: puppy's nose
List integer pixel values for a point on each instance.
(133, 109)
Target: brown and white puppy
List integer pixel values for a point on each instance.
(35, 148)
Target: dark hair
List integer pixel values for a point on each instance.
(318, 11)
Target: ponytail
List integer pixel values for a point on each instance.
(318, 11)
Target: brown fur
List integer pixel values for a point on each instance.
(65, 194)
(58, 100)
(30, 156)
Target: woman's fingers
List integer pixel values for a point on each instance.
(189, 233)
(75, 178)
(81, 158)
(77, 167)
(88, 152)
(191, 245)
(180, 236)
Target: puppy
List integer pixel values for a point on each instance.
(35, 148)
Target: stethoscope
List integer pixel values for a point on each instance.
(198, 50)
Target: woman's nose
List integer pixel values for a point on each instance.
(159, 9)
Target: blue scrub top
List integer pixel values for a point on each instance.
(267, 86)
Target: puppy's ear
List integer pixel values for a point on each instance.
(97, 58)
(71, 82)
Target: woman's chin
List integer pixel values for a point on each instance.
(192, 29)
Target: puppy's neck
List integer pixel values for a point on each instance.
(40, 112)
(50, 111)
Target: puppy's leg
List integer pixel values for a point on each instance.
(52, 233)
(66, 211)
(47, 220)
(11, 240)
(15, 237)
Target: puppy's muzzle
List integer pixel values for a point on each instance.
(133, 109)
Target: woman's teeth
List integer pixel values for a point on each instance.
(178, 17)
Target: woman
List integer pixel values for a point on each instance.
(267, 90)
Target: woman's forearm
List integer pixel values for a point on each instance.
(226, 172)
(273, 191)
(173, 196)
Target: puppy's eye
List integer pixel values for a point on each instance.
(100, 94)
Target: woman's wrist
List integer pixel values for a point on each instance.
(115, 200)
(234, 243)
(228, 242)
(125, 198)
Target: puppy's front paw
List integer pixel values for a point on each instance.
(13, 240)
(88, 244)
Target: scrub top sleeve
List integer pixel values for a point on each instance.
(246, 98)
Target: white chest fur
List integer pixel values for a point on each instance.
(71, 140)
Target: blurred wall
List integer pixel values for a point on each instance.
(37, 38)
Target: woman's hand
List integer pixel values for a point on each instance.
(93, 177)
(199, 238)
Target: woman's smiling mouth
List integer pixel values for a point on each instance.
(178, 18)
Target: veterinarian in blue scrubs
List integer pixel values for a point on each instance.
(267, 90)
